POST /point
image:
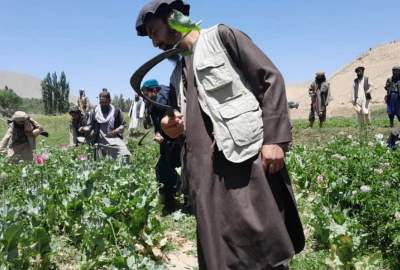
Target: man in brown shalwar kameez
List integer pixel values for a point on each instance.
(319, 93)
(235, 123)
(19, 141)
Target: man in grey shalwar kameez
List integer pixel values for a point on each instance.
(235, 124)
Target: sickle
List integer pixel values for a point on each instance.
(137, 77)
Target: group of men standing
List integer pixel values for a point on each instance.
(361, 96)
(101, 126)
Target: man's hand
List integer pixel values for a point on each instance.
(173, 126)
(36, 132)
(84, 129)
(158, 138)
(272, 157)
(112, 134)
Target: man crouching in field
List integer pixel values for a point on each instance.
(19, 141)
(77, 125)
(106, 126)
(235, 125)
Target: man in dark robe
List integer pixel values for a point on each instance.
(392, 98)
(245, 211)
(319, 93)
(170, 149)
(106, 127)
(394, 139)
(77, 126)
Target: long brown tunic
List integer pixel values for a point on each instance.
(245, 218)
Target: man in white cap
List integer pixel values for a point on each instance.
(19, 141)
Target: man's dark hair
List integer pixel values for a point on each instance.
(104, 94)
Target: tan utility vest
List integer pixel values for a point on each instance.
(225, 97)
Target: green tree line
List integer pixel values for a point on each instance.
(55, 93)
(11, 102)
(121, 103)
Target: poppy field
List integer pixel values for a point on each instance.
(68, 211)
(106, 212)
(348, 194)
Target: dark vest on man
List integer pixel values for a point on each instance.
(392, 85)
(96, 125)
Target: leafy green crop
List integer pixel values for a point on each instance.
(109, 212)
(351, 189)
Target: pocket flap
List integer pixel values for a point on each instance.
(213, 62)
(237, 107)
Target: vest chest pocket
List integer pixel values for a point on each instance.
(213, 74)
(243, 119)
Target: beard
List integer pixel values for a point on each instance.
(320, 80)
(173, 38)
(396, 77)
(105, 108)
(166, 47)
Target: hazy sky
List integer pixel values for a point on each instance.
(95, 42)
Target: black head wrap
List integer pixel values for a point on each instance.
(320, 77)
(158, 8)
(74, 109)
(396, 74)
(359, 68)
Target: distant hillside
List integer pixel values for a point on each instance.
(24, 85)
(378, 62)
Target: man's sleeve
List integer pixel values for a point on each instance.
(266, 83)
(35, 124)
(120, 128)
(156, 116)
(172, 97)
(387, 85)
(168, 98)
